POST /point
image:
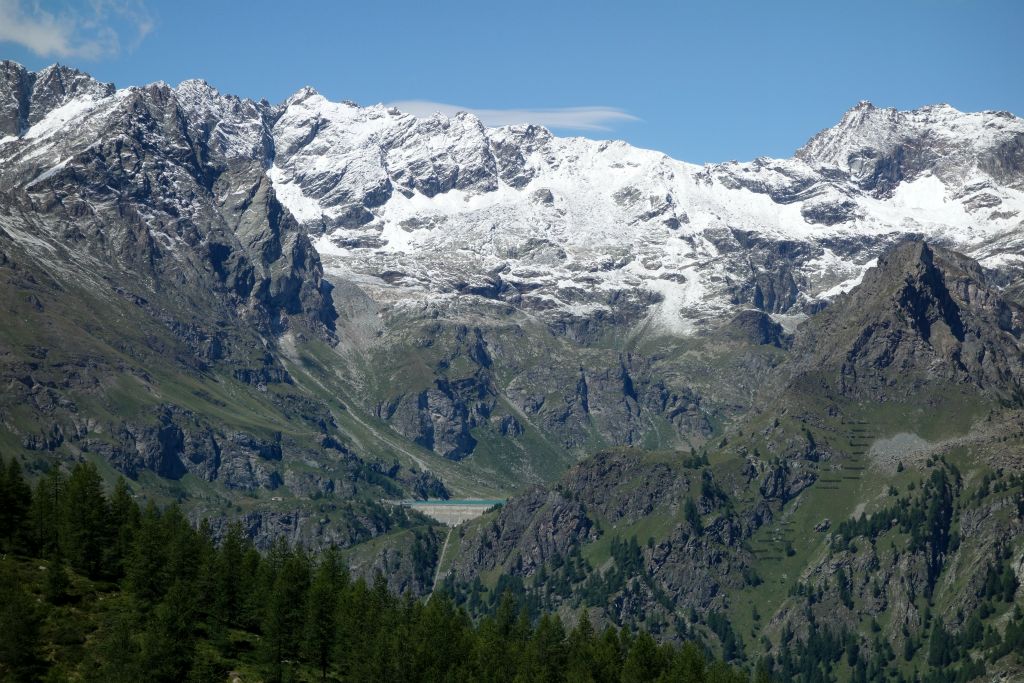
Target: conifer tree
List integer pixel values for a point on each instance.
(57, 583)
(45, 514)
(15, 503)
(285, 617)
(168, 642)
(228, 596)
(580, 651)
(117, 655)
(688, 664)
(643, 662)
(123, 520)
(322, 615)
(145, 574)
(608, 656)
(83, 530)
(19, 632)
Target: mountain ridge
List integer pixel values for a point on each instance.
(773, 407)
(289, 313)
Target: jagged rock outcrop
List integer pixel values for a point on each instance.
(924, 316)
(528, 531)
(755, 327)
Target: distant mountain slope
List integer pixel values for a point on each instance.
(926, 316)
(234, 302)
(869, 508)
(147, 277)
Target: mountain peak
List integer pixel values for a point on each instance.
(197, 85)
(880, 148)
(30, 96)
(304, 93)
(924, 314)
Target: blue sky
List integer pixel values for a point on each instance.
(701, 81)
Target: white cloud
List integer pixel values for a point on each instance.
(577, 118)
(90, 30)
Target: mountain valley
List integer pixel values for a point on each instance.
(774, 407)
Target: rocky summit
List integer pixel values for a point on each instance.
(771, 406)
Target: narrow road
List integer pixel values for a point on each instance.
(440, 559)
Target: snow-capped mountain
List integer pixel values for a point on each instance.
(415, 208)
(494, 292)
(421, 207)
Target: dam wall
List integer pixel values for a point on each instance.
(451, 512)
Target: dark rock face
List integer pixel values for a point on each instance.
(29, 96)
(687, 566)
(163, 206)
(510, 149)
(1005, 163)
(461, 397)
(533, 528)
(600, 483)
(768, 276)
(755, 327)
(923, 315)
(487, 384)
(440, 419)
(181, 442)
(783, 484)
(15, 80)
(829, 212)
(881, 148)
(152, 190)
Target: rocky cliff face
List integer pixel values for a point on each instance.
(142, 182)
(924, 316)
(148, 274)
(881, 148)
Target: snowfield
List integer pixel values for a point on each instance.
(423, 208)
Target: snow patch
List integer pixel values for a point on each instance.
(56, 119)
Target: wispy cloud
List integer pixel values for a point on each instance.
(576, 118)
(90, 30)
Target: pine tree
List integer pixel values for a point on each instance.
(492, 653)
(580, 651)
(168, 642)
(938, 646)
(545, 656)
(15, 504)
(123, 520)
(643, 663)
(608, 656)
(441, 638)
(117, 654)
(688, 664)
(145, 575)
(285, 617)
(228, 598)
(19, 632)
(321, 617)
(45, 515)
(84, 535)
(57, 583)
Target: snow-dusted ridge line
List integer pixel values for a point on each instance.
(574, 227)
(570, 221)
